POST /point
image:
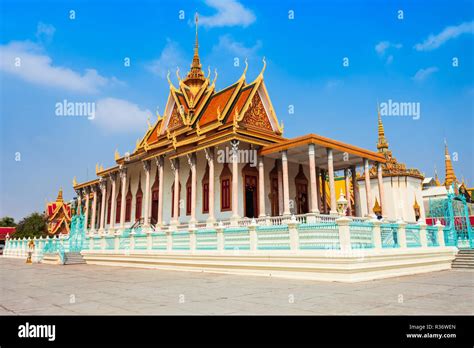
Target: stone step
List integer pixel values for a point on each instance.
(73, 258)
(464, 261)
(463, 266)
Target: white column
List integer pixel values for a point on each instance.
(368, 191)
(159, 163)
(344, 234)
(147, 167)
(280, 188)
(318, 189)
(261, 187)
(113, 178)
(175, 167)
(192, 164)
(313, 179)
(86, 212)
(332, 187)
(286, 188)
(348, 190)
(103, 188)
(377, 234)
(94, 208)
(123, 178)
(210, 160)
(440, 236)
(235, 189)
(355, 188)
(380, 184)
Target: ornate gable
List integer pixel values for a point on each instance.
(256, 116)
(175, 119)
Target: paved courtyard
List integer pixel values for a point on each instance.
(88, 289)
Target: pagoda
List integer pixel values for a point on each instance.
(58, 214)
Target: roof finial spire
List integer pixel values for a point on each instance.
(382, 144)
(196, 44)
(450, 176)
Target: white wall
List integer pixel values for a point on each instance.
(400, 193)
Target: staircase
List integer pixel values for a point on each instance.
(464, 259)
(73, 258)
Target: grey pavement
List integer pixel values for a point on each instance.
(89, 289)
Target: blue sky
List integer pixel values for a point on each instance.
(405, 57)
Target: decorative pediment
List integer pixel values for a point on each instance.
(175, 119)
(256, 116)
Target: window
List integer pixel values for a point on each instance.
(138, 200)
(188, 194)
(225, 194)
(109, 207)
(205, 191)
(225, 178)
(118, 206)
(128, 204)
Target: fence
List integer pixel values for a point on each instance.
(339, 234)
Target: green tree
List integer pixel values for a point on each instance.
(7, 221)
(33, 225)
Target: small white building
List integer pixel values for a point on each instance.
(400, 195)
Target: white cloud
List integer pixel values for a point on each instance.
(227, 44)
(383, 46)
(170, 58)
(45, 32)
(448, 33)
(37, 67)
(119, 115)
(229, 13)
(423, 74)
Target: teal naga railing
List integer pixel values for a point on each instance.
(413, 236)
(321, 235)
(389, 235)
(453, 212)
(55, 246)
(275, 237)
(77, 234)
(432, 236)
(236, 238)
(206, 239)
(362, 236)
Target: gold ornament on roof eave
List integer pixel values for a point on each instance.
(377, 209)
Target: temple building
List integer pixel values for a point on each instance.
(58, 214)
(214, 186)
(400, 196)
(220, 156)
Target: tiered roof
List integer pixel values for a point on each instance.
(197, 116)
(59, 215)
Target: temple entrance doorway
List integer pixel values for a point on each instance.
(273, 195)
(250, 176)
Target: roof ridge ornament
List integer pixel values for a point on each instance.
(169, 81)
(245, 70)
(215, 78)
(263, 68)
